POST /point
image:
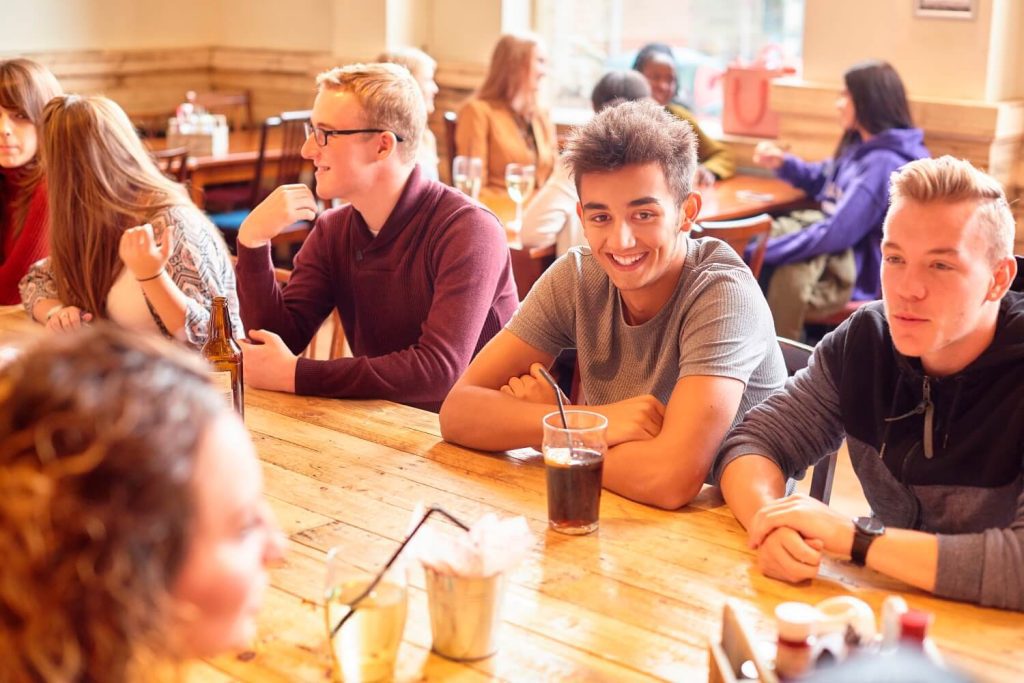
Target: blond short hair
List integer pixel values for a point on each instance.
(951, 180)
(389, 95)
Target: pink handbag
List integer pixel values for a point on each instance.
(746, 110)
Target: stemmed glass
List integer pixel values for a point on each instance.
(467, 173)
(519, 179)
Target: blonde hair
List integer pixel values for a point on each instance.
(951, 180)
(413, 59)
(509, 69)
(389, 95)
(25, 88)
(102, 181)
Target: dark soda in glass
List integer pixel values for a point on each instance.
(574, 489)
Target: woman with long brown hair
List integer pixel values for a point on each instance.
(132, 523)
(503, 122)
(126, 243)
(25, 87)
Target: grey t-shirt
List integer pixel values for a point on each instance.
(716, 323)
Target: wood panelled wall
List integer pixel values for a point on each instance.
(153, 82)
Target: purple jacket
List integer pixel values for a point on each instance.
(854, 194)
(417, 301)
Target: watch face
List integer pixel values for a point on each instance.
(870, 525)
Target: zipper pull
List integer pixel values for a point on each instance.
(929, 420)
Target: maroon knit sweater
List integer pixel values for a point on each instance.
(417, 301)
(30, 245)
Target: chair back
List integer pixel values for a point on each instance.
(450, 120)
(738, 234)
(796, 356)
(236, 105)
(1018, 282)
(290, 126)
(173, 162)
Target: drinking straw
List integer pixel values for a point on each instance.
(558, 397)
(387, 565)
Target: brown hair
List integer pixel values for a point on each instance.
(25, 88)
(101, 182)
(630, 133)
(389, 95)
(951, 180)
(509, 69)
(99, 433)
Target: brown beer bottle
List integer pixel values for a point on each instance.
(225, 355)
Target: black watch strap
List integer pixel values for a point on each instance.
(865, 531)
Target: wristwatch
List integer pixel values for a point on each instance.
(865, 531)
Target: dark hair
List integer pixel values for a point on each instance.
(650, 50)
(631, 133)
(879, 100)
(616, 87)
(99, 433)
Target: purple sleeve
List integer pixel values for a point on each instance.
(470, 261)
(296, 311)
(808, 176)
(859, 212)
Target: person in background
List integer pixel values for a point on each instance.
(552, 211)
(821, 267)
(657, 63)
(422, 67)
(132, 521)
(25, 87)
(419, 273)
(503, 122)
(674, 340)
(926, 387)
(126, 243)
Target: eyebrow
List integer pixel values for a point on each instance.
(642, 201)
(938, 251)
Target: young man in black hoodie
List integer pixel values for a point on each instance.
(927, 387)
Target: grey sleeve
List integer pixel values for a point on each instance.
(546, 319)
(795, 427)
(726, 329)
(985, 568)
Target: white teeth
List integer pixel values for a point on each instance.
(626, 260)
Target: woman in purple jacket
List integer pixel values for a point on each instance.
(837, 257)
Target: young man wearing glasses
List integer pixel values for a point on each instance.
(420, 274)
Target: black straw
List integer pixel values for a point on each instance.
(387, 565)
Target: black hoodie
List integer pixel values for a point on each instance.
(942, 455)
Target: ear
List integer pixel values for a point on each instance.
(579, 211)
(1002, 277)
(386, 144)
(689, 211)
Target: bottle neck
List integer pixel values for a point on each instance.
(220, 328)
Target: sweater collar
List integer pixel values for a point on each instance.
(418, 190)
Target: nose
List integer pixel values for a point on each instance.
(309, 148)
(274, 548)
(5, 123)
(621, 236)
(909, 285)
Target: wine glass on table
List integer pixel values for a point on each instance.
(467, 173)
(519, 179)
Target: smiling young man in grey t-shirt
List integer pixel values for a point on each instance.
(674, 339)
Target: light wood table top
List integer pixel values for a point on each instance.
(638, 600)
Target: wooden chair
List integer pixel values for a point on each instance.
(236, 105)
(450, 120)
(174, 163)
(796, 356)
(287, 170)
(738, 234)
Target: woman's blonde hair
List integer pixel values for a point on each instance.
(25, 88)
(509, 70)
(101, 181)
(99, 438)
(951, 180)
(413, 59)
(390, 97)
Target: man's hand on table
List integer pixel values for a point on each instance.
(268, 364)
(810, 518)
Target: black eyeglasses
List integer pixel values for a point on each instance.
(321, 135)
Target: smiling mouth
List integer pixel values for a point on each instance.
(627, 261)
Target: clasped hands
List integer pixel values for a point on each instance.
(633, 419)
(791, 534)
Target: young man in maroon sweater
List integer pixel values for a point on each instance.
(420, 275)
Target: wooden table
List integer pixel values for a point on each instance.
(638, 600)
(238, 165)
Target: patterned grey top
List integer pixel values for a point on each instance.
(199, 265)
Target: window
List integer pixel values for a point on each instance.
(585, 38)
